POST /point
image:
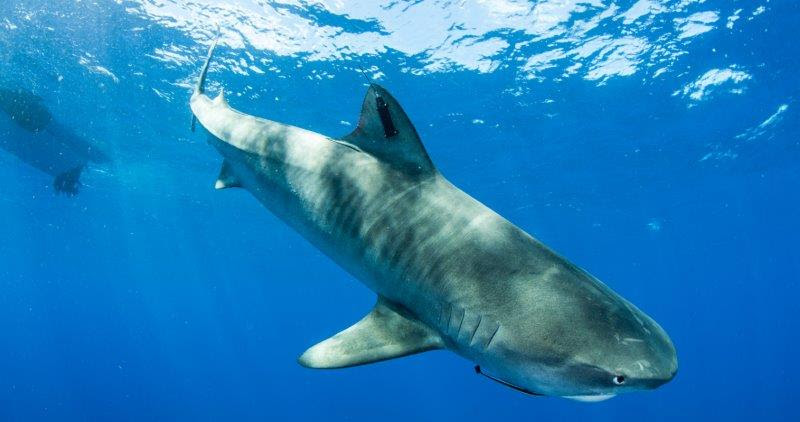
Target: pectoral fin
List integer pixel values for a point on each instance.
(382, 334)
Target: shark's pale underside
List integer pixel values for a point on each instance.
(449, 272)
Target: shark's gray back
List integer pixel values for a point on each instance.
(416, 240)
(386, 216)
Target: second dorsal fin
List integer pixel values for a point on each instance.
(385, 131)
(226, 177)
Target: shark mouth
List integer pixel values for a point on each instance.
(586, 399)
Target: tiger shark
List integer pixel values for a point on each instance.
(449, 273)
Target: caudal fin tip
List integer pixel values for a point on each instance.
(200, 87)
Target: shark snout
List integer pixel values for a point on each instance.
(655, 364)
(649, 380)
(655, 382)
(666, 369)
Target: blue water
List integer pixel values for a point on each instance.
(654, 143)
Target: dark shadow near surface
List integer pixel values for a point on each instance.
(35, 137)
(25, 108)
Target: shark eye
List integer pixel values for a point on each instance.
(619, 380)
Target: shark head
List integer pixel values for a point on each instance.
(631, 352)
(591, 345)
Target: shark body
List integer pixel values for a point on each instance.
(28, 131)
(449, 272)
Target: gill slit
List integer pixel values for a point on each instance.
(488, 343)
(478, 325)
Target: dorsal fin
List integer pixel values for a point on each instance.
(385, 131)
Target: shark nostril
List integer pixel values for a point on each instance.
(619, 379)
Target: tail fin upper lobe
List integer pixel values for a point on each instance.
(200, 87)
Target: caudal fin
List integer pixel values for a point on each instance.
(200, 88)
(201, 81)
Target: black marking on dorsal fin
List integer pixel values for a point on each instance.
(505, 383)
(385, 132)
(386, 118)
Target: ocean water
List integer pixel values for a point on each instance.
(653, 142)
